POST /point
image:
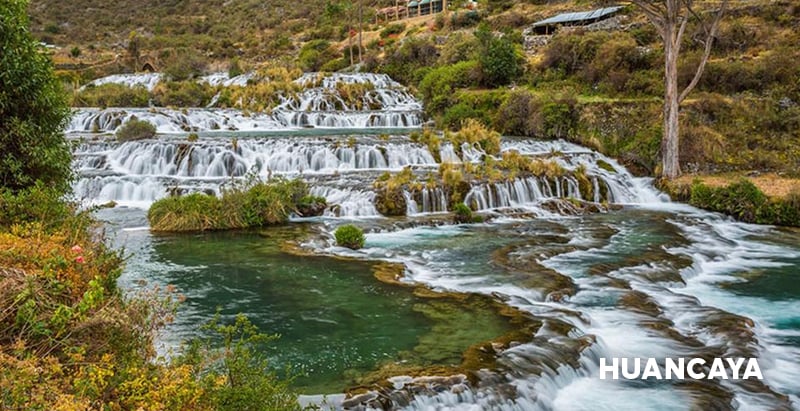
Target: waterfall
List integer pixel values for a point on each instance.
(347, 202)
(411, 204)
(383, 103)
(146, 80)
(137, 173)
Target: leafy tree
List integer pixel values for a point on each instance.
(33, 108)
(499, 59)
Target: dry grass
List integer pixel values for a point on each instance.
(770, 184)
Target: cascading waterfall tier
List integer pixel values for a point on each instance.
(326, 101)
(342, 169)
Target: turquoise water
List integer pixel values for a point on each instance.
(335, 320)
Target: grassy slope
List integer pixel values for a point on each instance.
(730, 123)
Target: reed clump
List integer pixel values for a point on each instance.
(249, 205)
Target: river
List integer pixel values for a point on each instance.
(649, 278)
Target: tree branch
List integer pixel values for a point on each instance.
(652, 12)
(706, 52)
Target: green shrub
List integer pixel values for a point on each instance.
(571, 52)
(335, 65)
(136, 129)
(408, 62)
(240, 378)
(193, 212)
(501, 61)
(261, 204)
(458, 113)
(315, 54)
(183, 94)
(460, 47)
(462, 214)
(559, 118)
(184, 64)
(745, 202)
(349, 236)
(742, 199)
(33, 108)
(394, 28)
(38, 203)
(247, 205)
(112, 95)
(439, 84)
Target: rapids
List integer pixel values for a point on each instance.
(386, 104)
(652, 279)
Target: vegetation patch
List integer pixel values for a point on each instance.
(249, 205)
(349, 236)
(741, 199)
(136, 129)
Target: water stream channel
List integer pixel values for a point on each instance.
(649, 278)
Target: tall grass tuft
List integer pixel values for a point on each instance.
(245, 205)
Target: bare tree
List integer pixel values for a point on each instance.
(360, 28)
(670, 18)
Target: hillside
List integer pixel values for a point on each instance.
(594, 87)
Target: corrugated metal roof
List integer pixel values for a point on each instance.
(577, 16)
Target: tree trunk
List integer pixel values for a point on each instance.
(670, 18)
(669, 142)
(350, 43)
(360, 28)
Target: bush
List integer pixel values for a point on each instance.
(745, 202)
(520, 115)
(33, 108)
(500, 59)
(439, 84)
(477, 135)
(559, 118)
(394, 28)
(136, 129)
(37, 204)
(183, 94)
(742, 199)
(570, 52)
(251, 204)
(184, 64)
(460, 112)
(315, 54)
(235, 376)
(462, 214)
(349, 236)
(112, 95)
(464, 19)
(407, 62)
(193, 212)
(460, 47)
